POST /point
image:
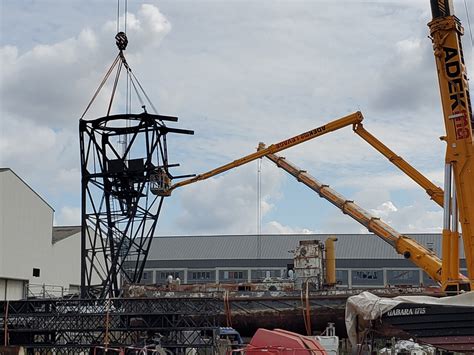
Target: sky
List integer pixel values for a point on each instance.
(237, 73)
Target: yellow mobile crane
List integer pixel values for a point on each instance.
(446, 32)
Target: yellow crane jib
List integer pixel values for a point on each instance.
(353, 118)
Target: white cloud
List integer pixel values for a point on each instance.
(226, 204)
(274, 227)
(417, 218)
(68, 216)
(68, 179)
(384, 210)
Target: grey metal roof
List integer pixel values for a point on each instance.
(63, 232)
(277, 246)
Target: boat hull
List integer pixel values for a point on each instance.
(444, 326)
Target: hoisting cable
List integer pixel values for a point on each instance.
(104, 80)
(142, 103)
(118, 16)
(114, 89)
(469, 24)
(132, 81)
(126, 10)
(143, 90)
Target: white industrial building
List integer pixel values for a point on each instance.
(35, 257)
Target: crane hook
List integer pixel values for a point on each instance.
(121, 40)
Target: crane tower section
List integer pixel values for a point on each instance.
(446, 32)
(119, 208)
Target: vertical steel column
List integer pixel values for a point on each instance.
(454, 245)
(446, 262)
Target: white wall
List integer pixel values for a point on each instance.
(12, 289)
(65, 265)
(26, 224)
(25, 231)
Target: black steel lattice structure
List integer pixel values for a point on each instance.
(119, 207)
(71, 326)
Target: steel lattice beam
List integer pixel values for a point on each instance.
(86, 323)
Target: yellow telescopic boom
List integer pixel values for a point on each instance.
(409, 248)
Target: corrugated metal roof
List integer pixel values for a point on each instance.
(277, 246)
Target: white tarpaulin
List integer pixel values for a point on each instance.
(364, 307)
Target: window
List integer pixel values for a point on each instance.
(263, 274)
(367, 277)
(162, 275)
(36, 272)
(403, 277)
(200, 275)
(147, 277)
(235, 275)
(428, 281)
(342, 277)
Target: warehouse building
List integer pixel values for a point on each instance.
(36, 259)
(362, 260)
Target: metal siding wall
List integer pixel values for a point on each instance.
(27, 223)
(12, 289)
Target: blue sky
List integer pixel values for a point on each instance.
(237, 72)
